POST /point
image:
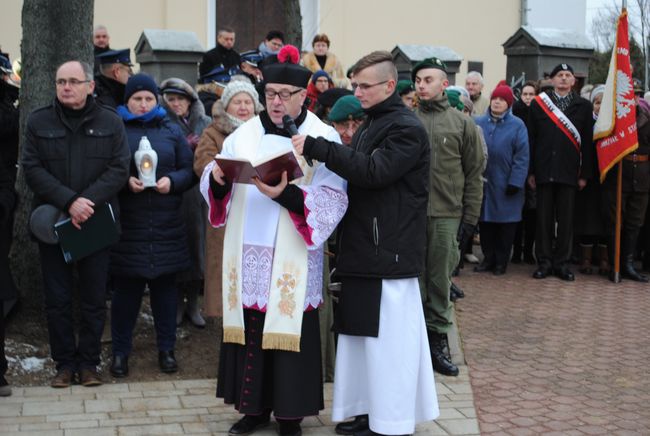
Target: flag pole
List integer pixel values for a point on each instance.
(619, 201)
(617, 238)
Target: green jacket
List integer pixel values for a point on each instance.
(455, 183)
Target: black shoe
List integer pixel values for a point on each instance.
(289, 427)
(455, 293)
(484, 267)
(499, 270)
(541, 272)
(565, 274)
(360, 423)
(440, 360)
(167, 361)
(249, 423)
(120, 366)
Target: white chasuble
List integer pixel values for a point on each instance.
(273, 258)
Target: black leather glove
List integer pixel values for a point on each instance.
(512, 189)
(465, 233)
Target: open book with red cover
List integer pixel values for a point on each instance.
(269, 169)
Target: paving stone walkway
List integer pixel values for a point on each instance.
(553, 357)
(184, 407)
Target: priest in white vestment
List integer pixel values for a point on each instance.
(270, 359)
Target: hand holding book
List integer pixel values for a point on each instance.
(269, 170)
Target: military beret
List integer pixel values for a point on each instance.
(454, 99)
(347, 107)
(561, 67)
(432, 62)
(331, 96)
(404, 87)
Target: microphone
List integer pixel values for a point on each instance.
(290, 125)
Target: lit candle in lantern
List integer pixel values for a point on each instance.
(146, 160)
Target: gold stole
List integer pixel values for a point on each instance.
(284, 309)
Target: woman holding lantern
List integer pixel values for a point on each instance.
(153, 243)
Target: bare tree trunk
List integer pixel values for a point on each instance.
(293, 19)
(53, 32)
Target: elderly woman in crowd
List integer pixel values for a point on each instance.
(186, 110)
(323, 59)
(239, 103)
(153, 244)
(507, 168)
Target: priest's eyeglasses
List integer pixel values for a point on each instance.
(285, 94)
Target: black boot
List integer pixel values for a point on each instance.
(439, 358)
(360, 423)
(628, 271)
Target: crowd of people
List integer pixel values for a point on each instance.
(399, 177)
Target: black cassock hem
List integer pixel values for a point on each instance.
(255, 380)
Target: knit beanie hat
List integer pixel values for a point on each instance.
(346, 108)
(235, 87)
(504, 92)
(600, 89)
(140, 82)
(318, 74)
(454, 99)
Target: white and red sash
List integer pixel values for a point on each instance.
(560, 120)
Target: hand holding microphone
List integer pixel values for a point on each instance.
(299, 142)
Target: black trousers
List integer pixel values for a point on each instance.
(3, 358)
(125, 307)
(58, 288)
(496, 242)
(525, 234)
(633, 211)
(555, 203)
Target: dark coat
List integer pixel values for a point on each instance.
(153, 240)
(109, 92)
(383, 233)
(636, 175)
(218, 56)
(588, 216)
(554, 158)
(9, 116)
(62, 164)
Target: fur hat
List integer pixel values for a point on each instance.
(178, 86)
(235, 87)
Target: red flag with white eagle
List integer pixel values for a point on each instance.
(615, 129)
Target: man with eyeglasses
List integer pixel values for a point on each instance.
(455, 195)
(76, 158)
(114, 72)
(270, 359)
(383, 377)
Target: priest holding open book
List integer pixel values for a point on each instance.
(273, 258)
